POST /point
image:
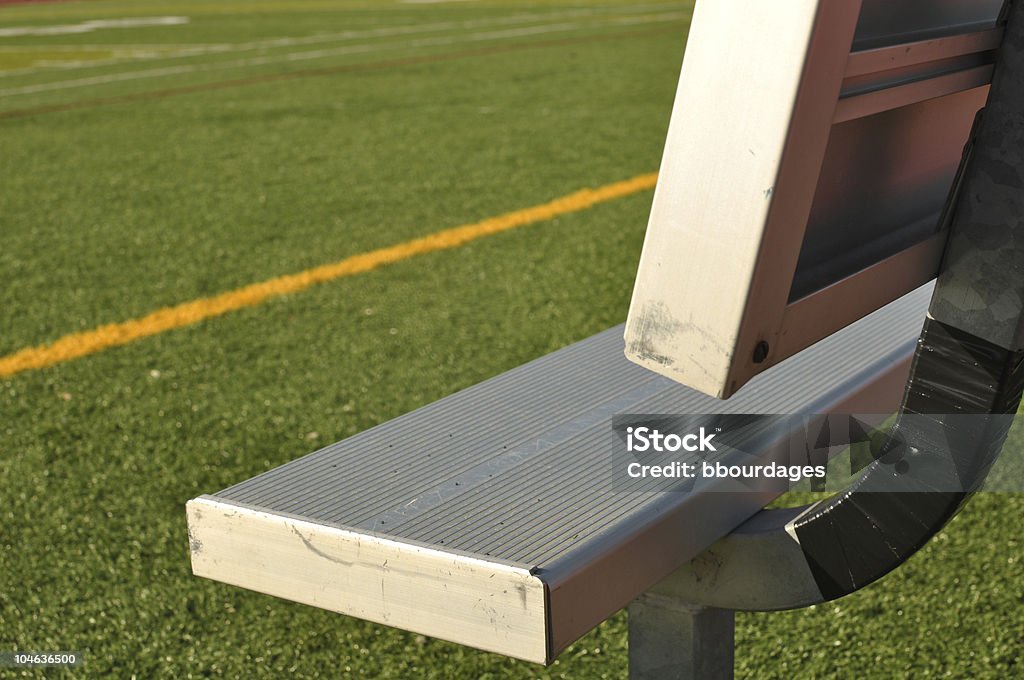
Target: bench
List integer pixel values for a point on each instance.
(491, 518)
(480, 518)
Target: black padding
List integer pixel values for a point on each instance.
(959, 405)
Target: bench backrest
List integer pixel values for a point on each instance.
(811, 150)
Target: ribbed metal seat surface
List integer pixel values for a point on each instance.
(489, 517)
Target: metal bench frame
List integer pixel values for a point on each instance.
(968, 360)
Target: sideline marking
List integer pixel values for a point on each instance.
(195, 49)
(326, 71)
(322, 53)
(76, 345)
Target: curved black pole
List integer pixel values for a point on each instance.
(960, 401)
(964, 389)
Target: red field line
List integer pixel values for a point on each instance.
(324, 71)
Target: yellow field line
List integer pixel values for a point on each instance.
(98, 339)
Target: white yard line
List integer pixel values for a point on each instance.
(183, 51)
(106, 47)
(90, 26)
(330, 52)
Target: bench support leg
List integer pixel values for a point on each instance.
(673, 640)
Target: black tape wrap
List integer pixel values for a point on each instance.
(959, 404)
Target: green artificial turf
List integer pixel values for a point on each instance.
(111, 210)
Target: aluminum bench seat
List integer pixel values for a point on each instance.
(490, 519)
